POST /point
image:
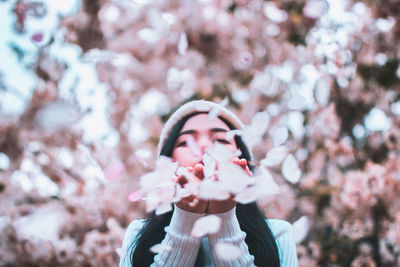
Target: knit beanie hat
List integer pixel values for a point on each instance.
(192, 107)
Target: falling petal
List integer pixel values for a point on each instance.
(209, 224)
(210, 166)
(280, 135)
(261, 121)
(163, 208)
(114, 171)
(158, 248)
(290, 169)
(266, 183)
(231, 134)
(152, 201)
(227, 251)
(300, 228)
(182, 192)
(220, 153)
(182, 171)
(210, 189)
(194, 148)
(159, 186)
(263, 186)
(135, 196)
(213, 114)
(174, 79)
(165, 164)
(252, 134)
(224, 102)
(248, 195)
(295, 121)
(143, 156)
(183, 44)
(120, 252)
(275, 156)
(233, 177)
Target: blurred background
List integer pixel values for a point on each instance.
(85, 87)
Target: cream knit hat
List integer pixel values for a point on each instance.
(192, 107)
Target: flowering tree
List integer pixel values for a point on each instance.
(85, 88)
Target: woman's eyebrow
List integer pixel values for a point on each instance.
(217, 130)
(187, 132)
(192, 132)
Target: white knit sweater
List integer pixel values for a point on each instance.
(185, 247)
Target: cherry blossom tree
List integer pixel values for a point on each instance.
(86, 86)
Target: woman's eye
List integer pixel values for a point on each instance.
(222, 141)
(181, 144)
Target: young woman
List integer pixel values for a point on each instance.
(262, 242)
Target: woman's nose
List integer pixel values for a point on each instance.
(204, 142)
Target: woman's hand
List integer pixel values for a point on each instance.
(195, 204)
(220, 206)
(192, 203)
(243, 164)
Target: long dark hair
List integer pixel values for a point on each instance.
(259, 238)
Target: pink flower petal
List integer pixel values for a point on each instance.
(248, 195)
(206, 225)
(210, 166)
(234, 178)
(217, 110)
(182, 44)
(275, 156)
(291, 170)
(220, 153)
(163, 208)
(135, 196)
(300, 228)
(194, 148)
(114, 171)
(280, 135)
(157, 248)
(231, 134)
(210, 189)
(120, 252)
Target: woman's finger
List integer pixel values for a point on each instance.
(198, 171)
(243, 164)
(181, 180)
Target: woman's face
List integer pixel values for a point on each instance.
(205, 133)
